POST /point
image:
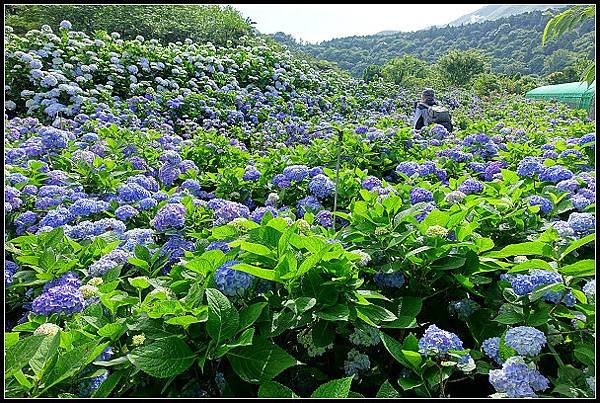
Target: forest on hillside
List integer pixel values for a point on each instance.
(513, 45)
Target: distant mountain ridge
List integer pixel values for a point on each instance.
(495, 11)
(513, 45)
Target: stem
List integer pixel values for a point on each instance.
(558, 359)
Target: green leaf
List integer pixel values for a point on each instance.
(509, 318)
(373, 314)
(10, 339)
(386, 390)
(322, 334)
(112, 330)
(109, 384)
(336, 312)
(585, 354)
(139, 282)
(523, 249)
(259, 362)
(184, 321)
(54, 237)
(309, 262)
(337, 388)
(275, 389)
(19, 354)
(256, 248)
(163, 358)
(141, 252)
(409, 359)
(576, 244)
(408, 309)
(531, 264)
(44, 355)
(223, 318)
(266, 274)
(409, 383)
(582, 268)
(138, 263)
(250, 314)
(71, 362)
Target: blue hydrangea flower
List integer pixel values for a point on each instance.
(462, 308)
(10, 268)
(408, 168)
(470, 186)
(371, 182)
(219, 245)
(588, 140)
(89, 385)
(53, 138)
(132, 192)
(491, 348)
(356, 362)
(315, 171)
(84, 207)
(230, 211)
(589, 289)
(325, 218)
(568, 185)
(438, 342)
(251, 173)
(68, 279)
(281, 181)
(296, 172)
(546, 205)
(309, 203)
(55, 218)
(176, 246)
(147, 203)
(62, 299)
(580, 202)
(169, 216)
(321, 186)
(582, 223)
(168, 173)
(232, 282)
(418, 194)
(392, 280)
(555, 174)
(529, 167)
(517, 379)
(258, 214)
(525, 340)
(425, 212)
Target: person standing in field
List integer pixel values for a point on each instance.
(428, 110)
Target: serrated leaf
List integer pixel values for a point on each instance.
(577, 244)
(582, 268)
(523, 249)
(250, 314)
(19, 354)
(44, 355)
(71, 362)
(409, 359)
(275, 389)
(259, 362)
(223, 318)
(184, 321)
(163, 358)
(386, 390)
(337, 388)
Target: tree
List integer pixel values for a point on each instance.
(371, 72)
(399, 69)
(564, 22)
(460, 66)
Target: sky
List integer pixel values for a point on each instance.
(319, 22)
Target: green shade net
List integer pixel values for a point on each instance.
(576, 95)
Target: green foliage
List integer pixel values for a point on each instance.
(167, 23)
(459, 67)
(399, 69)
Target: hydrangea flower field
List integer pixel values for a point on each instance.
(173, 228)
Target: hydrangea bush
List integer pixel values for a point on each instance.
(176, 227)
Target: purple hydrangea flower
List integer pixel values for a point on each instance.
(219, 245)
(325, 218)
(470, 186)
(258, 214)
(529, 167)
(281, 181)
(62, 299)
(438, 342)
(418, 194)
(251, 174)
(309, 203)
(169, 216)
(407, 168)
(582, 223)
(371, 182)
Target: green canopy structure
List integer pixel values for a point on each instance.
(576, 95)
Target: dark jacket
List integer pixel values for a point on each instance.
(421, 113)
